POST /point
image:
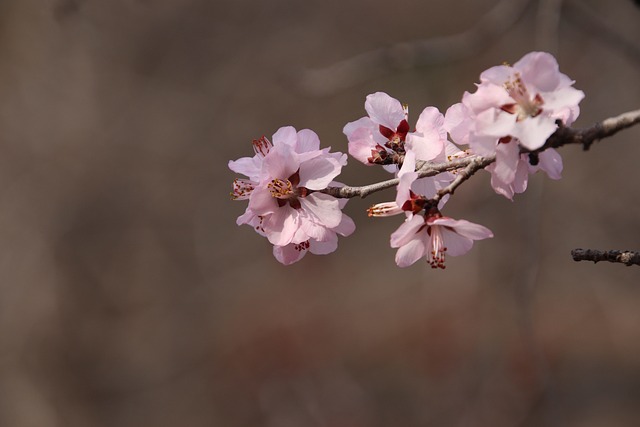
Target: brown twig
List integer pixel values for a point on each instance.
(624, 257)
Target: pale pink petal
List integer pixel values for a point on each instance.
(427, 187)
(455, 243)
(507, 156)
(497, 75)
(307, 141)
(539, 69)
(550, 161)
(346, 226)
(324, 247)
(487, 96)
(428, 140)
(407, 231)
(463, 227)
(317, 174)
(407, 175)
(362, 123)
(495, 123)
(281, 226)
(483, 145)
(499, 186)
(286, 135)
(458, 122)
(324, 208)
(288, 254)
(282, 162)
(384, 110)
(410, 252)
(262, 202)
(248, 166)
(521, 179)
(313, 230)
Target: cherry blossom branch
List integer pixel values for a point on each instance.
(467, 166)
(586, 137)
(436, 50)
(624, 257)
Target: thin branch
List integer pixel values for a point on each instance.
(624, 257)
(436, 50)
(586, 137)
(462, 175)
(467, 166)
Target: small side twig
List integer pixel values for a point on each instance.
(623, 257)
(462, 175)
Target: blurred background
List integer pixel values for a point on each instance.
(129, 297)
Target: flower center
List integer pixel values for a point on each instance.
(525, 105)
(281, 189)
(287, 191)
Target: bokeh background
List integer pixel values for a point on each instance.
(129, 297)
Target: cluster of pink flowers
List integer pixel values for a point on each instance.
(513, 112)
(285, 205)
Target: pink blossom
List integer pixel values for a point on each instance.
(384, 135)
(283, 188)
(433, 236)
(515, 108)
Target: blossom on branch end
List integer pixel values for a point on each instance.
(515, 109)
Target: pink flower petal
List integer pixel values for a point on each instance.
(281, 226)
(288, 254)
(362, 123)
(307, 141)
(407, 231)
(248, 166)
(282, 162)
(410, 252)
(324, 208)
(346, 226)
(384, 110)
(317, 174)
(325, 247)
(455, 243)
(286, 135)
(550, 161)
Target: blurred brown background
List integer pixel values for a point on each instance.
(129, 297)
